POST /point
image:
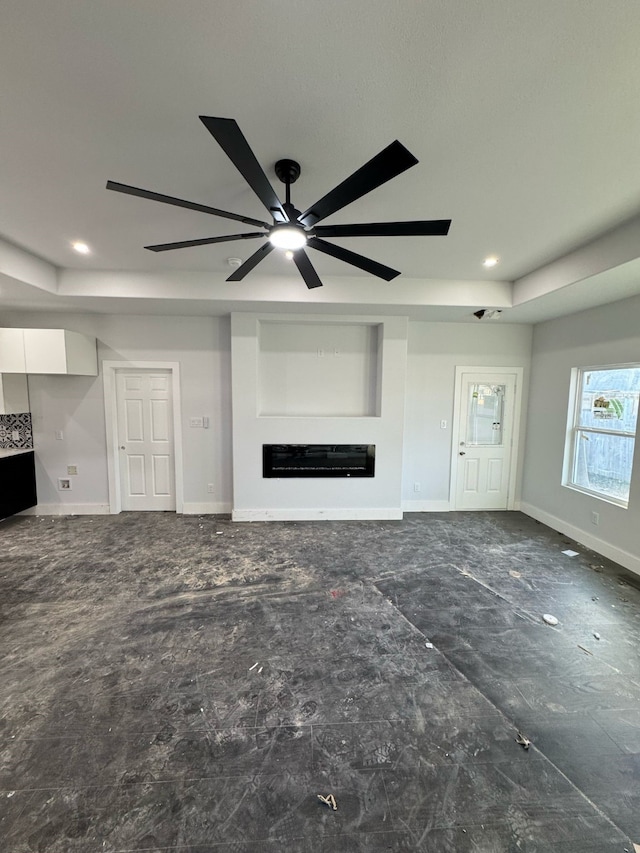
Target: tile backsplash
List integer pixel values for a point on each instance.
(16, 431)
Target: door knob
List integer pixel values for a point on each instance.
(122, 447)
(462, 453)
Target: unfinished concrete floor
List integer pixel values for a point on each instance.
(175, 683)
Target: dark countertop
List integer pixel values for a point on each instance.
(14, 451)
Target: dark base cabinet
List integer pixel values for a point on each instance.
(17, 483)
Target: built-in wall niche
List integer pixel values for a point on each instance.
(318, 369)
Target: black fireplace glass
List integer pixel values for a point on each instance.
(318, 460)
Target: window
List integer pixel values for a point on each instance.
(602, 432)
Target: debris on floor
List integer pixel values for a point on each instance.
(254, 666)
(428, 645)
(549, 619)
(330, 801)
(596, 635)
(523, 741)
(571, 553)
(515, 574)
(585, 650)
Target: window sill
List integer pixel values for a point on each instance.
(609, 499)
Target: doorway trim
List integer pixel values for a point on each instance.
(515, 440)
(109, 370)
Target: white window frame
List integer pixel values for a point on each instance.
(574, 428)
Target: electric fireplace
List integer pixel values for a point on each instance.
(318, 460)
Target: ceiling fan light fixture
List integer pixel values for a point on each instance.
(287, 237)
(292, 231)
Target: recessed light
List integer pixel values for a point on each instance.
(80, 247)
(491, 261)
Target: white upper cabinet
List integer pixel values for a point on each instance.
(12, 351)
(59, 351)
(48, 351)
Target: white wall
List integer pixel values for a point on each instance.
(435, 349)
(600, 336)
(75, 405)
(422, 386)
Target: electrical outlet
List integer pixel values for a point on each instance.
(72, 469)
(210, 488)
(595, 518)
(443, 424)
(64, 485)
(320, 353)
(195, 422)
(15, 435)
(59, 435)
(416, 487)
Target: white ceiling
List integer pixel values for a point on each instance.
(523, 116)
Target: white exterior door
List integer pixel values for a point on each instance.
(146, 453)
(483, 450)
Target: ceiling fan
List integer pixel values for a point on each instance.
(292, 230)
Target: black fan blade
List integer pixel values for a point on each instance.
(179, 202)
(251, 262)
(427, 228)
(229, 137)
(393, 160)
(307, 271)
(186, 244)
(356, 260)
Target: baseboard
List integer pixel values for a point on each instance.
(426, 506)
(68, 509)
(611, 552)
(210, 508)
(206, 508)
(363, 514)
(439, 506)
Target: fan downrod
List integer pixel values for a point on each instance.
(288, 171)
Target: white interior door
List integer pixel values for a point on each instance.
(146, 452)
(483, 451)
